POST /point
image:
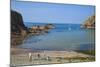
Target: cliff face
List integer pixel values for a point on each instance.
(89, 23)
(18, 29)
(17, 24)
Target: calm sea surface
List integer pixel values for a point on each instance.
(62, 37)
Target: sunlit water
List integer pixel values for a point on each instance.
(62, 37)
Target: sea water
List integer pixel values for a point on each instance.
(62, 37)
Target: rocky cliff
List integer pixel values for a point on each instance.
(17, 24)
(89, 23)
(18, 29)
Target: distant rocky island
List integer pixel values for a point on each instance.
(19, 31)
(89, 23)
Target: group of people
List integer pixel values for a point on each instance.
(38, 55)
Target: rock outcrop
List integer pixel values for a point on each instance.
(40, 29)
(17, 24)
(89, 23)
(18, 29)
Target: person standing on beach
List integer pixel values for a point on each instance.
(30, 56)
(38, 55)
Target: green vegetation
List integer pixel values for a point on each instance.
(90, 52)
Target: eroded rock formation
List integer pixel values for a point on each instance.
(89, 23)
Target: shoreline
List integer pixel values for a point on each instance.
(21, 57)
(22, 50)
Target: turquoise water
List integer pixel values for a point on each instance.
(62, 37)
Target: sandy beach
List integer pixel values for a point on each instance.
(21, 57)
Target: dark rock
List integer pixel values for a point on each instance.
(17, 24)
(18, 29)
